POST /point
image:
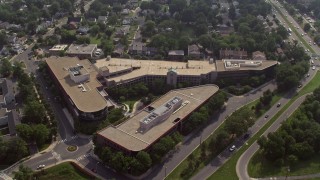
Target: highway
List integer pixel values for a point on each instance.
(243, 161)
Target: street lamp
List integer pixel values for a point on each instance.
(288, 170)
(97, 166)
(165, 171)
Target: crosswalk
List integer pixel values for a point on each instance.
(83, 157)
(5, 176)
(70, 139)
(56, 155)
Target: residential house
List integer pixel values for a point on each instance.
(279, 52)
(125, 11)
(103, 19)
(83, 30)
(118, 50)
(126, 21)
(224, 29)
(194, 51)
(7, 91)
(44, 25)
(120, 32)
(139, 48)
(176, 55)
(59, 15)
(148, 12)
(4, 25)
(258, 55)
(12, 39)
(56, 50)
(22, 40)
(82, 51)
(92, 20)
(233, 54)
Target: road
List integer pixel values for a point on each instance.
(217, 162)
(191, 142)
(243, 161)
(295, 25)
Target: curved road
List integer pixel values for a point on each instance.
(243, 161)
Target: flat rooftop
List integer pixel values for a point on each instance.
(128, 135)
(81, 48)
(240, 64)
(153, 67)
(89, 101)
(59, 47)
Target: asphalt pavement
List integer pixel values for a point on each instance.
(243, 161)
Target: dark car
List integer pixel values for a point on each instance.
(279, 104)
(246, 136)
(266, 116)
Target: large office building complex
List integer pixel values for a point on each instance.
(117, 72)
(157, 120)
(76, 79)
(83, 83)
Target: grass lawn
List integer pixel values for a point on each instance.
(95, 40)
(260, 167)
(175, 174)
(64, 171)
(311, 86)
(228, 170)
(130, 103)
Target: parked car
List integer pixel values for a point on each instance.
(279, 104)
(232, 148)
(266, 116)
(41, 166)
(313, 67)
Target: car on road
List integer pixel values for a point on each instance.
(313, 67)
(312, 62)
(266, 116)
(308, 75)
(232, 148)
(300, 85)
(279, 104)
(41, 166)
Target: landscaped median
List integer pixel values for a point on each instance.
(228, 170)
(198, 159)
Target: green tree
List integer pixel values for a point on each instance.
(144, 159)
(24, 173)
(40, 133)
(17, 149)
(24, 131)
(5, 68)
(34, 112)
(307, 27)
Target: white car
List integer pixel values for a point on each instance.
(232, 148)
(313, 67)
(41, 166)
